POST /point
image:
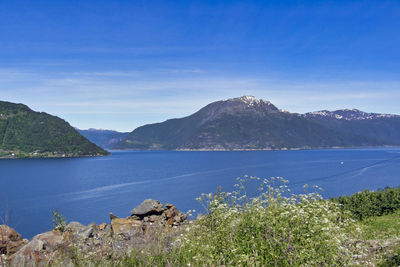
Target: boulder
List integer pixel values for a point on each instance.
(10, 240)
(148, 207)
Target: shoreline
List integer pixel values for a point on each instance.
(53, 157)
(195, 150)
(255, 149)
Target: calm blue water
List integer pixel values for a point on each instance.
(87, 189)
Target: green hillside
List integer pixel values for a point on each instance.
(26, 133)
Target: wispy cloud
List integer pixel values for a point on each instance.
(157, 96)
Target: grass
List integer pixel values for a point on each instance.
(383, 234)
(382, 227)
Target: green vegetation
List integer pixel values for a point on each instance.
(384, 233)
(379, 218)
(368, 203)
(25, 133)
(273, 229)
(392, 260)
(59, 221)
(382, 227)
(268, 230)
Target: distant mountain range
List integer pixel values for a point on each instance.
(26, 133)
(250, 123)
(103, 138)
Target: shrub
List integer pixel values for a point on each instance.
(267, 230)
(59, 221)
(367, 203)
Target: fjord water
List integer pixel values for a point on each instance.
(87, 189)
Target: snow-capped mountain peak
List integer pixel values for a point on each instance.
(250, 100)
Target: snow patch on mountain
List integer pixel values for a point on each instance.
(348, 114)
(251, 100)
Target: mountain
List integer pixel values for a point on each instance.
(103, 138)
(383, 128)
(26, 133)
(250, 123)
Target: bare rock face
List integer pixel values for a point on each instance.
(94, 243)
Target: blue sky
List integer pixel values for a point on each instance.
(121, 64)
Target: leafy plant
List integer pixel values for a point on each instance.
(59, 221)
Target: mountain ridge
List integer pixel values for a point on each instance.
(349, 114)
(250, 123)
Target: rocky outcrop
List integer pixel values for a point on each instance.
(79, 243)
(10, 240)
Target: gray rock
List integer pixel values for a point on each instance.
(148, 207)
